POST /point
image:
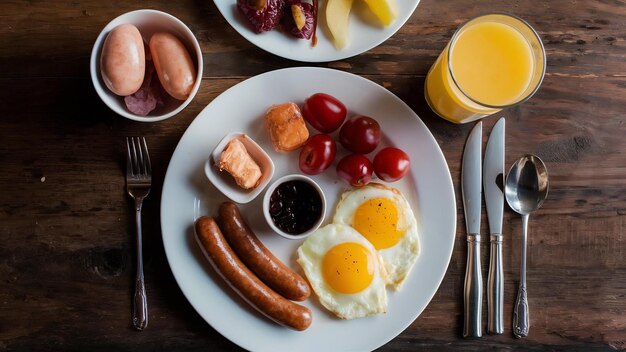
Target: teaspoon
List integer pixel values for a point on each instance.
(526, 189)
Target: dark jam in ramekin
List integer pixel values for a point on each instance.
(295, 207)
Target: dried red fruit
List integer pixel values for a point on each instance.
(262, 14)
(299, 19)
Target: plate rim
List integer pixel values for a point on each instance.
(439, 155)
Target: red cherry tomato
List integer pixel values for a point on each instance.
(356, 169)
(324, 112)
(317, 154)
(360, 134)
(391, 164)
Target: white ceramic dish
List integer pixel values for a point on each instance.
(266, 205)
(148, 22)
(187, 194)
(363, 34)
(225, 182)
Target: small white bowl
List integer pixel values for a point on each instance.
(225, 183)
(148, 22)
(266, 205)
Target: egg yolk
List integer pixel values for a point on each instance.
(377, 219)
(348, 268)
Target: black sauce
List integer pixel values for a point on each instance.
(295, 206)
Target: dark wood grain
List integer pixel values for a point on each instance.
(66, 232)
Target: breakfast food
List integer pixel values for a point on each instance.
(173, 64)
(149, 96)
(128, 65)
(122, 61)
(258, 258)
(263, 15)
(317, 154)
(235, 160)
(295, 207)
(345, 271)
(300, 19)
(384, 217)
(226, 263)
(391, 164)
(355, 169)
(384, 10)
(337, 15)
(286, 127)
(360, 134)
(297, 17)
(324, 112)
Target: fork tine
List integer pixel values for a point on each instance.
(147, 157)
(129, 165)
(135, 160)
(140, 160)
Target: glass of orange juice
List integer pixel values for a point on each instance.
(492, 62)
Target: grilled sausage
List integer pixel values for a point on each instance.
(258, 258)
(244, 282)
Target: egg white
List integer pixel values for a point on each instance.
(371, 300)
(399, 259)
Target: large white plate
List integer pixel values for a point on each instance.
(187, 194)
(362, 33)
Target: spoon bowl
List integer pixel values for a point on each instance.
(525, 190)
(526, 184)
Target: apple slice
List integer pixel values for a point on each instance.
(385, 10)
(337, 14)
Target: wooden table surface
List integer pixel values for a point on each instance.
(66, 228)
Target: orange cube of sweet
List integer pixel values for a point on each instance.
(286, 127)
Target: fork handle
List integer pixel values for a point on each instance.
(140, 302)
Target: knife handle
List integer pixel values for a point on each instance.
(473, 293)
(495, 287)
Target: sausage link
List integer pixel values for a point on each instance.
(244, 282)
(258, 258)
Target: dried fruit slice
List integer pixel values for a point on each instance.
(262, 14)
(299, 19)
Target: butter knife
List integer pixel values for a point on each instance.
(493, 182)
(471, 187)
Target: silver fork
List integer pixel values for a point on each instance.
(138, 181)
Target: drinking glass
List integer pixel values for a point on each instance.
(492, 62)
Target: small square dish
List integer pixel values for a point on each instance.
(225, 182)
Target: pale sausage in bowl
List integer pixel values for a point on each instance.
(146, 65)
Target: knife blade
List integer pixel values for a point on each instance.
(493, 182)
(471, 187)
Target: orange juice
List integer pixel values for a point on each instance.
(488, 65)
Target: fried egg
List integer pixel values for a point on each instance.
(383, 216)
(344, 271)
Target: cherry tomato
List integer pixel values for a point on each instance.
(356, 169)
(324, 112)
(317, 154)
(391, 164)
(360, 134)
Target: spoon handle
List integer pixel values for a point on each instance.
(521, 322)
